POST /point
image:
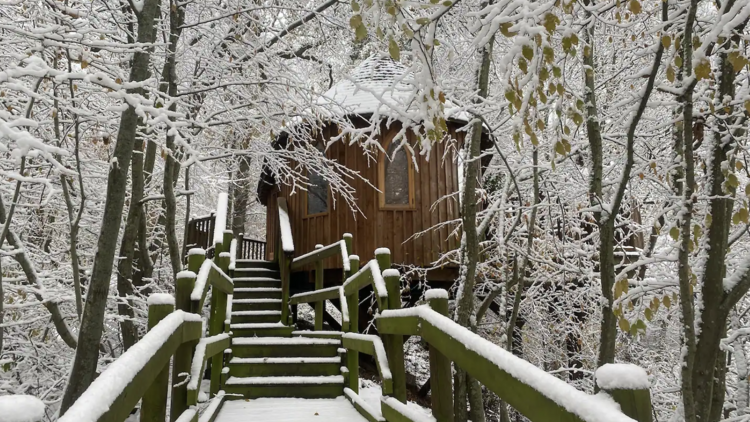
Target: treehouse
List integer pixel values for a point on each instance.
(407, 202)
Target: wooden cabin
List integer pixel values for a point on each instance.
(410, 199)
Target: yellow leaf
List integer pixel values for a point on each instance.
(624, 325)
(674, 232)
(84, 64)
(747, 106)
(355, 21)
(355, 6)
(505, 30)
(361, 33)
(393, 49)
(666, 41)
(527, 52)
(703, 69)
(670, 73)
(550, 22)
(738, 165)
(649, 314)
(667, 302)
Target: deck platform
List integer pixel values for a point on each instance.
(338, 409)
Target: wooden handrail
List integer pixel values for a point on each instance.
(534, 393)
(320, 254)
(208, 347)
(371, 345)
(112, 396)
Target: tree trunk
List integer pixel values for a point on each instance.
(87, 353)
(470, 238)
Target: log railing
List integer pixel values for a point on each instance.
(200, 234)
(175, 332)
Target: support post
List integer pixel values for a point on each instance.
(633, 397)
(154, 402)
(183, 357)
(394, 344)
(352, 356)
(319, 305)
(441, 378)
(216, 324)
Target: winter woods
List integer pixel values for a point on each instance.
(604, 206)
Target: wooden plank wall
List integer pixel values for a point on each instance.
(374, 227)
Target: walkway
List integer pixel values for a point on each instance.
(289, 410)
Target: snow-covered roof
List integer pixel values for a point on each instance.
(378, 85)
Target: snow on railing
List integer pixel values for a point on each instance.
(201, 281)
(376, 277)
(285, 228)
(380, 357)
(460, 344)
(344, 308)
(233, 254)
(199, 359)
(102, 393)
(220, 223)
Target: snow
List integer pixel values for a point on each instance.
(327, 379)
(436, 294)
(377, 279)
(355, 398)
(287, 242)
(379, 351)
(220, 222)
(391, 272)
(259, 325)
(239, 361)
(622, 376)
(371, 393)
(185, 274)
(289, 410)
(197, 251)
(199, 357)
(588, 408)
(408, 411)
(21, 408)
(232, 254)
(354, 258)
(160, 299)
(213, 407)
(100, 395)
(379, 85)
(201, 280)
(382, 251)
(255, 313)
(278, 341)
(187, 415)
(345, 256)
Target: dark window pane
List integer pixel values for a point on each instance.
(317, 192)
(396, 176)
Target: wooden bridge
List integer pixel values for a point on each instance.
(279, 374)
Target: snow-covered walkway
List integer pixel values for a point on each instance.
(289, 410)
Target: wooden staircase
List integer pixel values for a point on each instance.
(269, 358)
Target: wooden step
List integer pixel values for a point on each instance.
(256, 304)
(255, 317)
(299, 366)
(318, 334)
(257, 293)
(292, 386)
(266, 329)
(262, 347)
(254, 263)
(256, 272)
(256, 282)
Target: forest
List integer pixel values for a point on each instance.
(604, 188)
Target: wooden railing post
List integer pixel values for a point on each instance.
(183, 357)
(216, 322)
(628, 385)
(284, 262)
(319, 305)
(394, 344)
(352, 356)
(154, 402)
(441, 379)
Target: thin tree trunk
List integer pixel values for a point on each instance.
(470, 238)
(84, 365)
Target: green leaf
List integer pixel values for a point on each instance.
(361, 33)
(527, 52)
(355, 21)
(393, 49)
(649, 314)
(674, 233)
(355, 6)
(423, 21)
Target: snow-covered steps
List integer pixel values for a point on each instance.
(256, 282)
(256, 272)
(294, 366)
(318, 334)
(253, 263)
(255, 317)
(328, 386)
(256, 304)
(262, 347)
(257, 293)
(265, 329)
(289, 409)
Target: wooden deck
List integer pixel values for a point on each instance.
(289, 410)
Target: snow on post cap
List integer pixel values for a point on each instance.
(224, 255)
(622, 376)
(347, 235)
(160, 299)
(436, 294)
(185, 274)
(382, 251)
(353, 257)
(391, 272)
(21, 408)
(196, 251)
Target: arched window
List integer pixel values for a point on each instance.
(397, 184)
(317, 191)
